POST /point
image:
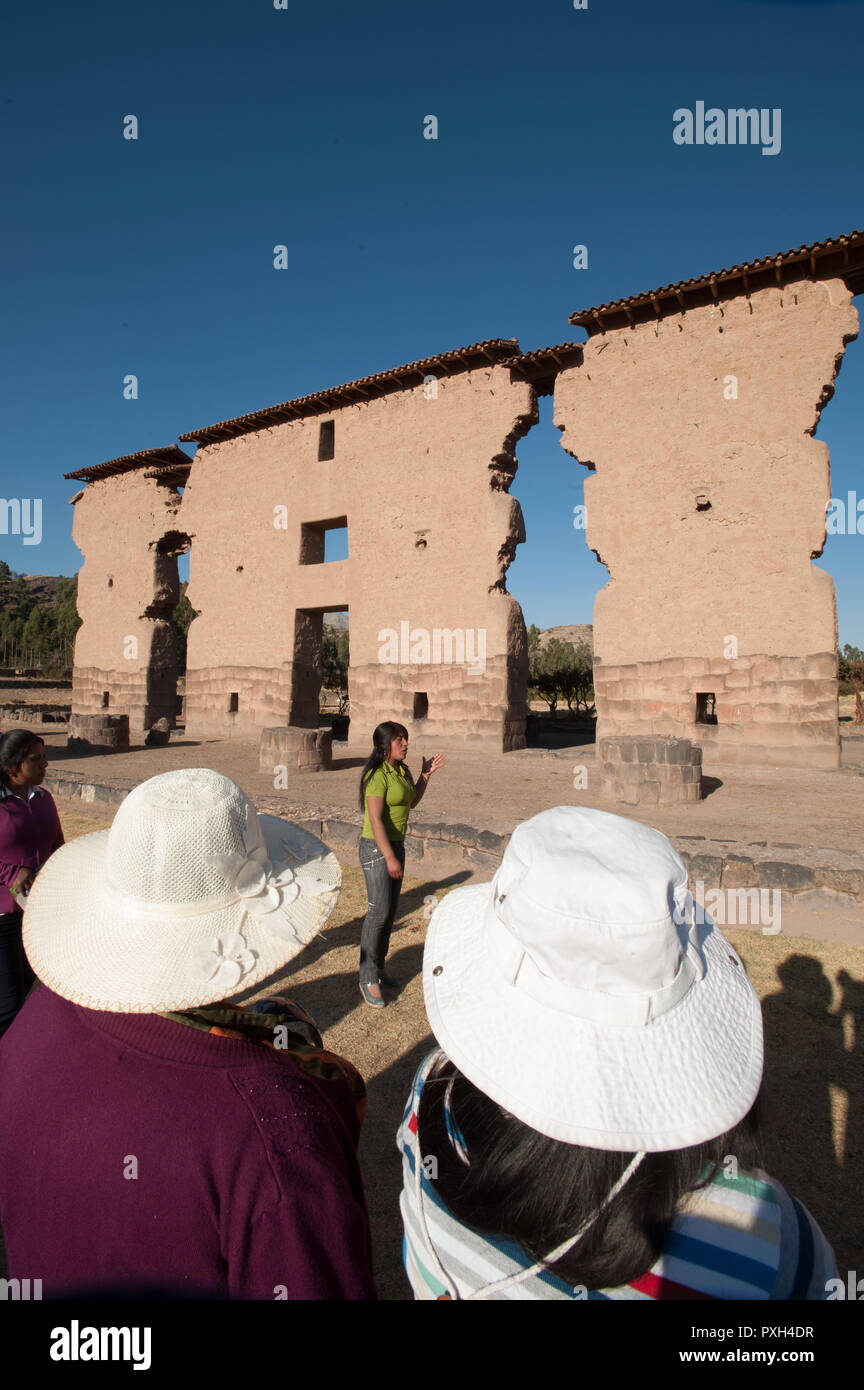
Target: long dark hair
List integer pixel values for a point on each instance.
(536, 1191)
(14, 747)
(381, 740)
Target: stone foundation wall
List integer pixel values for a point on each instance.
(768, 708)
(462, 707)
(263, 700)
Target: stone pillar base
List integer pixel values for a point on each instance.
(310, 750)
(650, 772)
(99, 733)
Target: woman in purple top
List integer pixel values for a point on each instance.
(29, 834)
(207, 1141)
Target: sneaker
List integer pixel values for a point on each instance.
(372, 994)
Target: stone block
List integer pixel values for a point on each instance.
(793, 668)
(791, 878)
(766, 669)
(739, 872)
(677, 750)
(630, 774)
(105, 732)
(487, 861)
(707, 869)
(340, 832)
(822, 666)
(849, 881)
(159, 736)
(818, 692)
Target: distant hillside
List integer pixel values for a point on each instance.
(574, 632)
(41, 589)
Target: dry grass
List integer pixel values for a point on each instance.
(813, 1004)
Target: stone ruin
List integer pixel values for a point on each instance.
(693, 407)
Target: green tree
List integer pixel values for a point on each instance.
(181, 619)
(334, 664)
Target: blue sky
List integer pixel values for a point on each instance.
(304, 126)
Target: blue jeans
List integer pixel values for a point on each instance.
(16, 977)
(383, 892)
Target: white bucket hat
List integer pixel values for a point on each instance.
(188, 898)
(577, 991)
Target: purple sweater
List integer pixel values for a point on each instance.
(247, 1184)
(29, 833)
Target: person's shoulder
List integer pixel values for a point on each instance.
(767, 1243)
(376, 780)
(407, 1131)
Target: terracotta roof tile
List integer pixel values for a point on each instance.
(841, 256)
(491, 350)
(170, 457)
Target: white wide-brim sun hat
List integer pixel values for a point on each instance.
(580, 993)
(189, 897)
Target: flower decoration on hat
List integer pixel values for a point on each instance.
(262, 893)
(223, 961)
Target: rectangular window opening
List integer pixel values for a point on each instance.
(233, 702)
(106, 699)
(322, 542)
(326, 440)
(421, 704)
(705, 708)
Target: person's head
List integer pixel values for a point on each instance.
(22, 759)
(591, 1029)
(389, 742)
(190, 897)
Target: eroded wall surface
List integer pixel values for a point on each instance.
(421, 480)
(706, 504)
(127, 589)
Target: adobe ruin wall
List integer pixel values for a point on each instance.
(125, 660)
(419, 477)
(707, 503)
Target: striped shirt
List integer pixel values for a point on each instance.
(740, 1237)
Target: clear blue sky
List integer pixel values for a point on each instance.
(304, 126)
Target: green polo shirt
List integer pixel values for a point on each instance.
(391, 783)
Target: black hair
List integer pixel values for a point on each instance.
(14, 747)
(381, 741)
(522, 1186)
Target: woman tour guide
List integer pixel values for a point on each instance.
(387, 794)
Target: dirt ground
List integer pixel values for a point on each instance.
(783, 806)
(813, 1003)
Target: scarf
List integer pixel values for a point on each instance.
(286, 1029)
